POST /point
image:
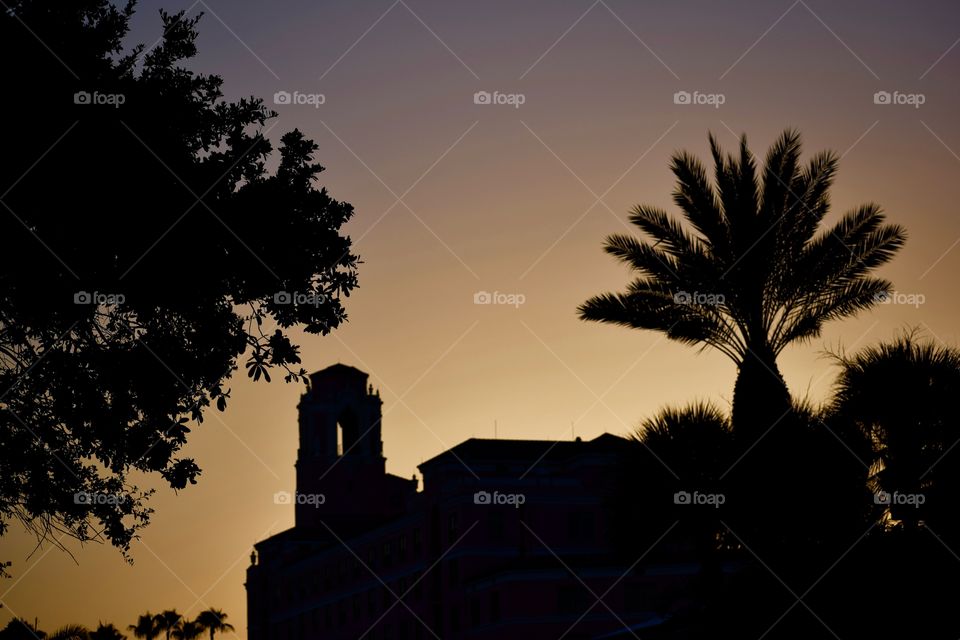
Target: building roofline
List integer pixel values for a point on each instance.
(504, 446)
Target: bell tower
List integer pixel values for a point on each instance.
(341, 452)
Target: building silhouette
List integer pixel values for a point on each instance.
(506, 538)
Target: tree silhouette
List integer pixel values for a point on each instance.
(71, 632)
(213, 621)
(685, 454)
(168, 622)
(749, 273)
(148, 249)
(188, 630)
(20, 629)
(106, 632)
(146, 628)
(903, 396)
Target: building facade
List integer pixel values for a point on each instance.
(506, 538)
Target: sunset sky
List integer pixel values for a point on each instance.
(455, 198)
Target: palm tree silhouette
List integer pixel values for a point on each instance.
(169, 621)
(903, 395)
(214, 621)
(188, 630)
(106, 632)
(694, 442)
(695, 445)
(71, 632)
(147, 627)
(751, 274)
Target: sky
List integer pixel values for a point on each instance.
(457, 196)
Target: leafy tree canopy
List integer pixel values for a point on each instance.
(149, 248)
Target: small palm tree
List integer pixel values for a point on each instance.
(187, 630)
(214, 621)
(71, 632)
(694, 442)
(903, 396)
(147, 627)
(106, 632)
(168, 621)
(749, 273)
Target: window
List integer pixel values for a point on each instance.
(452, 526)
(403, 546)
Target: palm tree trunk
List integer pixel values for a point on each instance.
(760, 396)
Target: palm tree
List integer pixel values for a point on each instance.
(692, 448)
(147, 627)
(903, 396)
(71, 632)
(749, 273)
(188, 630)
(168, 621)
(693, 442)
(20, 629)
(214, 621)
(107, 632)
